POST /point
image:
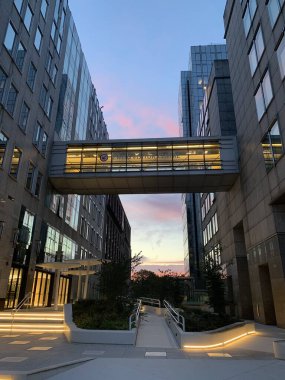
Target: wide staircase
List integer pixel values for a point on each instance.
(32, 321)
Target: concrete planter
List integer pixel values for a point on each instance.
(210, 339)
(279, 349)
(77, 335)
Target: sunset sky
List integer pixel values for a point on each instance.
(135, 50)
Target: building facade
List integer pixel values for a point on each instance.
(252, 214)
(46, 95)
(117, 234)
(191, 94)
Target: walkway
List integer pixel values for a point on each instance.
(153, 331)
(29, 353)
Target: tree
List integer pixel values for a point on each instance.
(114, 277)
(215, 285)
(164, 285)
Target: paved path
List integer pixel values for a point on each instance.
(154, 332)
(250, 358)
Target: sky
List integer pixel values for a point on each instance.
(135, 50)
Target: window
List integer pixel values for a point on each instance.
(10, 38)
(31, 76)
(15, 162)
(274, 8)
(43, 96)
(249, 15)
(44, 143)
(38, 39)
(263, 95)
(20, 56)
(272, 146)
(49, 62)
(281, 57)
(53, 30)
(24, 114)
(54, 74)
(256, 51)
(44, 6)
(28, 18)
(30, 176)
(3, 145)
(18, 4)
(38, 184)
(40, 139)
(3, 78)
(11, 100)
(58, 45)
(49, 107)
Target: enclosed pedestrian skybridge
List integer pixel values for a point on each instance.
(174, 165)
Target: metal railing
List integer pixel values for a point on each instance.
(175, 315)
(150, 301)
(24, 301)
(135, 316)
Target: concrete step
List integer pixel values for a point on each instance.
(34, 317)
(32, 327)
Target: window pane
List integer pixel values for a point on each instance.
(43, 97)
(21, 52)
(15, 162)
(54, 74)
(276, 142)
(3, 78)
(246, 21)
(252, 59)
(44, 143)
(28, 18)
(38, 39)
(18, 4)
(53, 29)
(49, 107)
(30, 175)
(273, 10)
(37, 135)
(24, 114)
(252, 8)
(260, 108)
(31, 76)
(11, 100)
(259, 44)
(38, 185)
(44, 8)
(10, 38)
(281, 57)
(267, 89)
(3, 145)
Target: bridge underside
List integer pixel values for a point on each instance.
(167, 182)
(147, 166)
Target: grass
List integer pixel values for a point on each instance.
(198, 320)
(102, 314)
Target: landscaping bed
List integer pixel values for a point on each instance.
(102, 315)
(198, 320)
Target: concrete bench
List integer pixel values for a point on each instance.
(279, 349)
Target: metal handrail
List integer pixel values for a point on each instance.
(174, 314)
(134, 317)
(151, 301)
(27, 297)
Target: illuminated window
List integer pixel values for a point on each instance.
(14, 168)
(272, 146)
